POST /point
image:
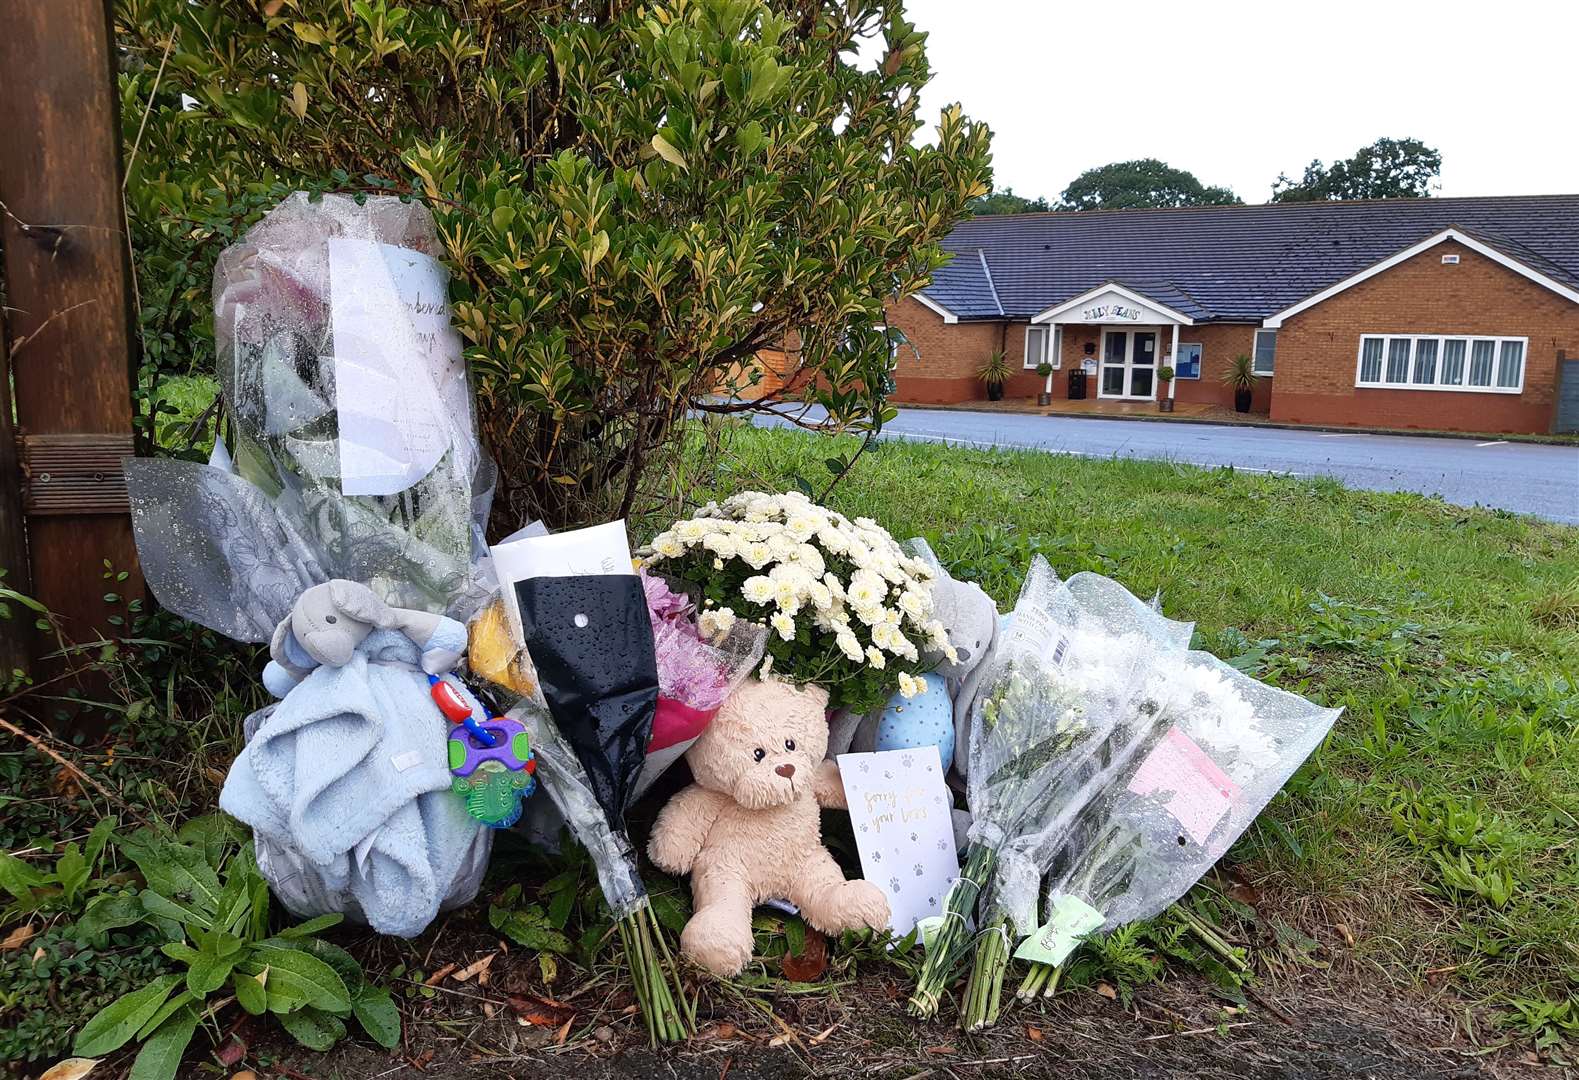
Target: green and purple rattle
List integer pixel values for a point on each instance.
(492, 760)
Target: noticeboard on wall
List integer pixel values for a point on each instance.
(1187, 365)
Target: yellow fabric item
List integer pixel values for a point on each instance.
(494, 654)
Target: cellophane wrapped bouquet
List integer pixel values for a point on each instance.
(1221, 745)
(350, 453)
(613, 666)
(1111, 760)
(1053, 719)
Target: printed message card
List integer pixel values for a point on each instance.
(900, 810)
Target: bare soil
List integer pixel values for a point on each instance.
(1174, 1029)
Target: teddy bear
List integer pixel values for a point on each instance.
(749, 829)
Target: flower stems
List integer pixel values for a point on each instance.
(668, 1014)
(984, 991)
(1213, 940)
(953, 937)
(1035, 979)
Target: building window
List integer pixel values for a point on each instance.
(1433, 362)
(1044, 343)
(1265, 356)
(1187, 365)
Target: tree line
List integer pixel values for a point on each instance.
(1387, 169)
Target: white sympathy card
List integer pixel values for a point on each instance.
(536, 552)
(901, 812)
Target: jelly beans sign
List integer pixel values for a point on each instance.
(902, 815)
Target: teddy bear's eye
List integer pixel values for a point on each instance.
(789, 744)
(330, 619)
(759, 753)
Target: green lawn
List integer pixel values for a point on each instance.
(1436, 828)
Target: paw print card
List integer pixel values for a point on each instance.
(900, 810)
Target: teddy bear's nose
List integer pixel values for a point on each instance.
(786, 770)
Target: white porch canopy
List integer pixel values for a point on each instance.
(1114, 305)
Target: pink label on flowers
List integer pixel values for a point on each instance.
(1194, 789)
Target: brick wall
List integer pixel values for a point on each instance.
(940, 364)
(1318, 348)
(1220, 343)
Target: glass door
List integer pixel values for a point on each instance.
(1142, 364)
(1129, 364)
(1115, 352)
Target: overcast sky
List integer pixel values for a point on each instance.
(1238, 92)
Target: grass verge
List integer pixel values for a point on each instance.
(1435, 830)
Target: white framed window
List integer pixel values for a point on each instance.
(1187, 365)
(1044, 343)
(1264, 358)
(1442, 362)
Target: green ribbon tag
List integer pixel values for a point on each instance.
(929, 928)
(1070, 920)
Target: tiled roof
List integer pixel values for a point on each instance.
(1230, 263)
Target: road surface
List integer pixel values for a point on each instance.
(1527, 478)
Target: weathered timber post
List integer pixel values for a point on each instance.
(70, 317)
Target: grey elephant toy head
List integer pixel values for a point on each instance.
(971, 618)
(330, 620)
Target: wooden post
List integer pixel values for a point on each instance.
(16, 633)
(68, 287)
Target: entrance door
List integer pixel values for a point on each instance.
(1129, 364)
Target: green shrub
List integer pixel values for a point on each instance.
(57, 980)
(206, 899)
(634, 198)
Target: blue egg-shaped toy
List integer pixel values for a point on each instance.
(924, 720)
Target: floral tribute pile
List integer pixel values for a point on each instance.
(1105, 765)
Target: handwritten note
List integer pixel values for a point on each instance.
(901, 812)
(1069, 919)
(400, 379)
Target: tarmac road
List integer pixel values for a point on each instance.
(1527, 478)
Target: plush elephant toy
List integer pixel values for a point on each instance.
(331, 619)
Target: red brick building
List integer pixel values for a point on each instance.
(1442, 314)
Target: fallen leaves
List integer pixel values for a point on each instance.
(1033, 1033)
(231, 1052)
(1245, 893)
(477, 970)
(18, 938)
(812, 961)
(1107, 991)
(1348, 935)
(439, 975)
(540, 1011)
(70, 1069)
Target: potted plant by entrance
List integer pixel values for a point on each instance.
(1241, 377)
(1045, 370)
(994, 372)
(1164, 381)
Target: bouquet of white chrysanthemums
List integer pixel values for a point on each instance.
(848, 609)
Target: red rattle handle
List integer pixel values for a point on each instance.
(455, 708)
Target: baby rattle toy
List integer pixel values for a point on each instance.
(491, 759)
